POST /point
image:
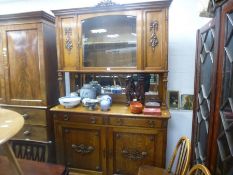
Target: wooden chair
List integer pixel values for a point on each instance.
(199, 169)
(33, 150)
(178, 164)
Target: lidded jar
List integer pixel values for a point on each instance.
(88, 91)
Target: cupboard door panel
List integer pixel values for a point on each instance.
(155, 40)
(67, 50)
(130, 148)
(25, 73)
(82, 147)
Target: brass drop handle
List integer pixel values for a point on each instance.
(66, 117)
(26, 116)
(120, 121)
(134, 154)
(93, 120)
(26, 133)
(151, 123)
(82, 149)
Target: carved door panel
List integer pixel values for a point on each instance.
(128, 149)
(204, 94)
(25, 75)
(225, 93)
(82, 147)
(155, 39)
(67, 44)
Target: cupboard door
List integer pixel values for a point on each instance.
(155, 39)
(67, 43)
(130, 148)
(225, 93)
(80, 147)
(25, 78)
(204, 96)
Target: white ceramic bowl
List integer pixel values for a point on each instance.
(69, 102)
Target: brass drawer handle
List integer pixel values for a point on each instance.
(151, 123)
(26, 116)
(82, 149)
(93, 120)
(120, 121)
(134, 154)
(66, 117)
(26, 133)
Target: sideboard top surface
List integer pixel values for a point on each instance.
(116, 110)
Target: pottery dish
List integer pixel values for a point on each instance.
(69, 102)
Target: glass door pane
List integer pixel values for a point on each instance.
(109, 41)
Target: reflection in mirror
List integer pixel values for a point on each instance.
(109, 41)
(117, 83)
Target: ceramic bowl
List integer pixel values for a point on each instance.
(90, 103)
(136, 107)
(69, 102)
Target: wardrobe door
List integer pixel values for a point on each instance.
(24, 77)
(224, 105)
(204, 96)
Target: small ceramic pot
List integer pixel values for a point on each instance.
(136, 107)
(106, 97)
(88, 91)
(105, 104)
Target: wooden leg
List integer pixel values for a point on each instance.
(11, 156)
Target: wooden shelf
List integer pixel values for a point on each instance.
(127, 70)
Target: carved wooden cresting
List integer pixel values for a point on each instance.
(106, 3)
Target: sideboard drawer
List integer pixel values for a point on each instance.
(79, 118)
(32, 133)
(136, 122)
(31, 116)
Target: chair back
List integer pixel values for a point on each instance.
(31, 150)
(180, 157)
(199, 169)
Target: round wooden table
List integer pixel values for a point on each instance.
(10, 124)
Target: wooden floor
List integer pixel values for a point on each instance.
(30, 167)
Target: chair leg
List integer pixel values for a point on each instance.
(7, 150)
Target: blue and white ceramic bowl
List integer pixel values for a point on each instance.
(69, 102)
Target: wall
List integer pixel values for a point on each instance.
(183, 23)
